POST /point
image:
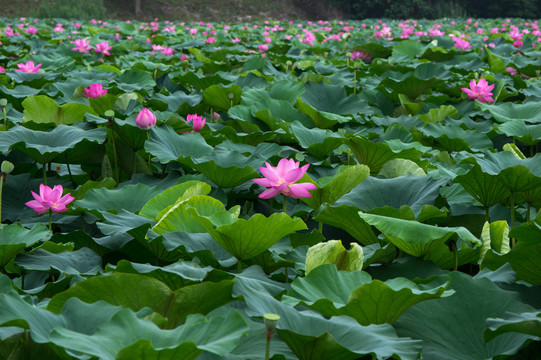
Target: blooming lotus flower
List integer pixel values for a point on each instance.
(281, 179)
(103, 48)
(462, 44)
(479, 91)
(29, 67)
(145, 119)
(50, 199)
(82, 45)
(198, 121)
(94, 91)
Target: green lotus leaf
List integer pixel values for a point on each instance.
(129, 197)
(333, 252)
(176, 275)
(400, 167)
(318, 142)
(326, 104)
(525, 323)
(495, 236)
(166, 145)
(14, 239)
(245, 239)
(509, 111)
(171, 196)
(515, 174)
(408, 50)
(177, 99)
(134, 80)
(453, 138)
(413, 191)
(375, 155)
(347, 218)
(182, 216)
(137, 291)
(368, 301)
(404, 234)
(44, 110)
(437, 115)
(341, 337)
(486, 188)
(222, 98)
(523, 256)
(82, 261)
(411, 85)
(338, 186)
(44, 146)
(526, 134)
(452, 327)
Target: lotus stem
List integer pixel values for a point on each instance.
(44, 174)
(267, 344)
(112, 123)
(512, 216)
(50, 220)
(1, 187)
(69, 172)
(455, 254)
(149, 155)
(239, 266)
(285, 204)
(487, 214)
(5, 116)
(355, 80)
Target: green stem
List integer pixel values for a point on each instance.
(239, 266)
(44, 174)
(1, 186)
(114, 152)
(50, 220)
(285, 204)
(267, 346)
(149, 166)
(69, 172)
(355, 81)
(5, 118)
(455, 255)
(512, 215)
(487, 214)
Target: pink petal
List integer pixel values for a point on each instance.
(267, 194)
(270, 174)
(301, 190)
(263, 182)
(294, 175)
(37, 206)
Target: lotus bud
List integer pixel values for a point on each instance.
(7, 167)
(3, 103)
(145, 119)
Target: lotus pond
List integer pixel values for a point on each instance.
(417, 143)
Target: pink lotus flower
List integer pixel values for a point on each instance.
(28, 67)
(479, 91)
(82, 45)
(103, 48)
(198, 121)
(2, 69)
(281, 179)
(462, 44)
(94, 91)
(145, 119)
(50, 199)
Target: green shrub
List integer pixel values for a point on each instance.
(71, 9)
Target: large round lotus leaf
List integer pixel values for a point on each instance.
(525, 323)
(404, 234)
(166, 145)
(311, 336)
(375, 155)
(245, 239)
(452, 328)
(43, 146)
(173, 195)
(129, 197)
(508, 111)
(335, 293)
(14, 239)
(136, 292)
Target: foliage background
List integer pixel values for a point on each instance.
(251, 10)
